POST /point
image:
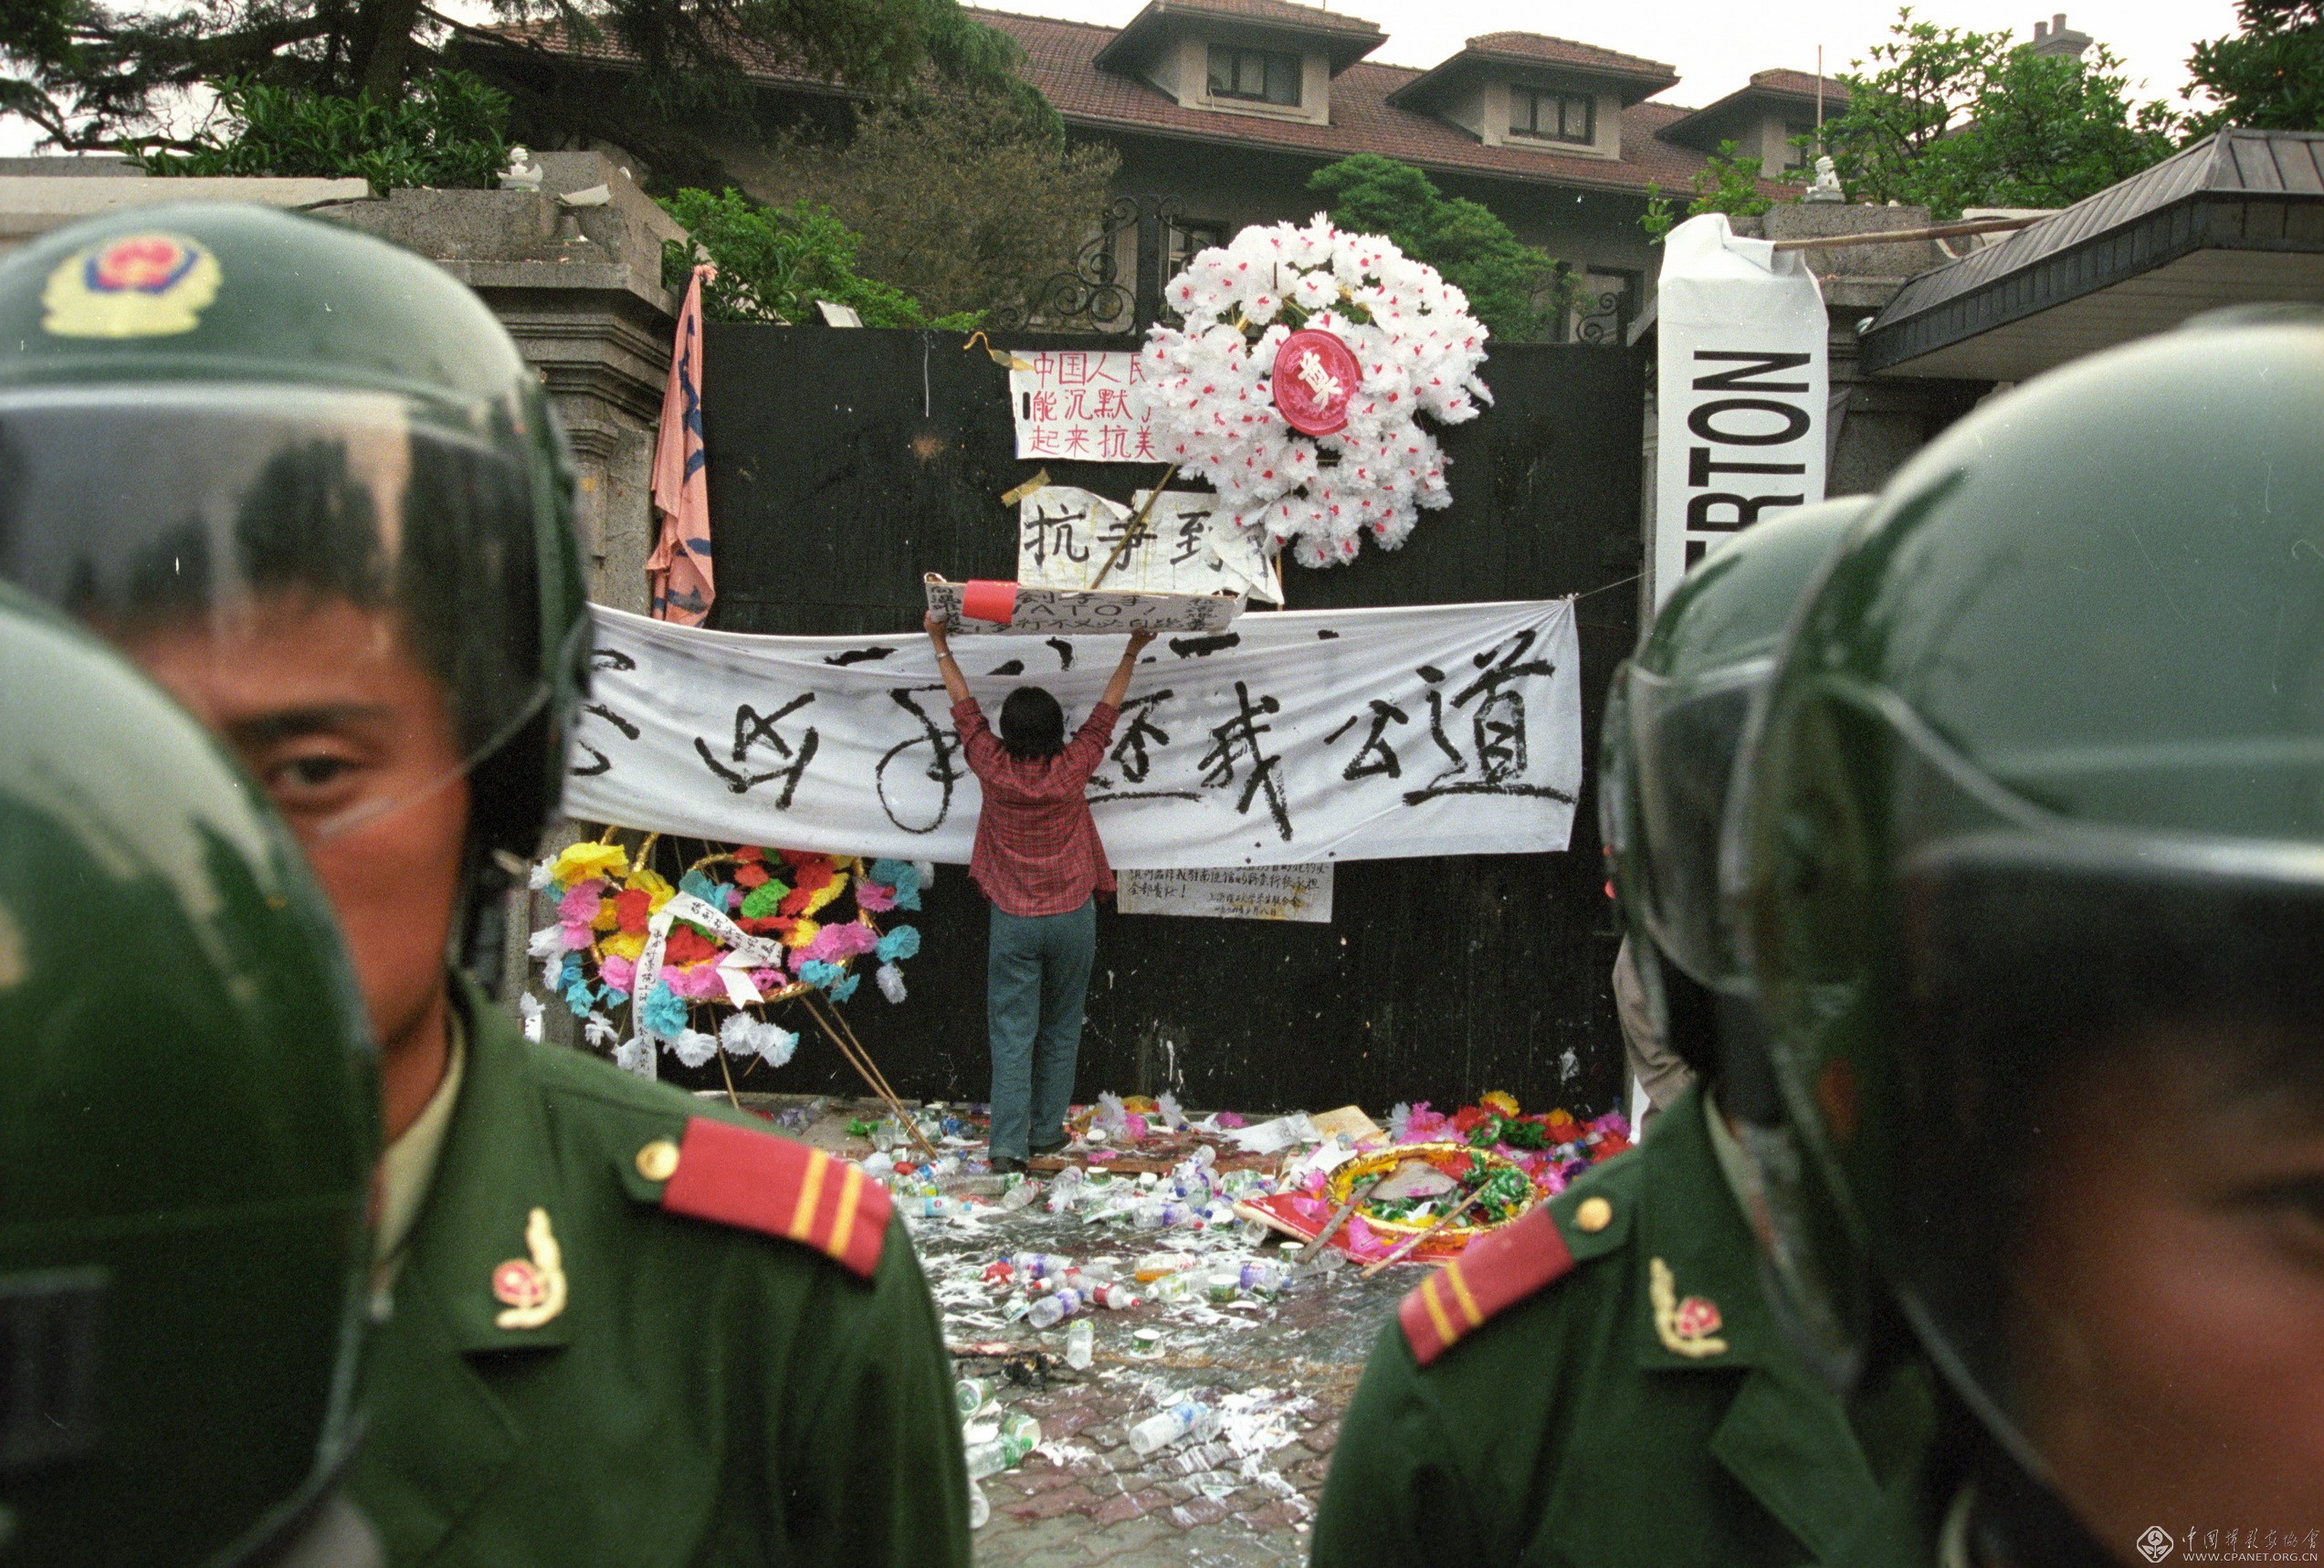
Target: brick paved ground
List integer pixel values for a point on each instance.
(1279, 1372)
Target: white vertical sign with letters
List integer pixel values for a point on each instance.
(1741, 390)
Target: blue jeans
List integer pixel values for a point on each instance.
(1036, 979)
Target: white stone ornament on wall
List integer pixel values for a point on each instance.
(1211, 387)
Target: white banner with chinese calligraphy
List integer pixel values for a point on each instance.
(1084, 405)
(1066, 535)
(1296, 738)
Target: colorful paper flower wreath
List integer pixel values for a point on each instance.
(742, 930)
(1212, 385)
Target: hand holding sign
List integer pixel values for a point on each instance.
(1019, 610)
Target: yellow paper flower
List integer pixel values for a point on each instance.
(656, 889)
(608, 917)
(1500, 1100)
(801, 933)
(825, 894)
(623, 944)
(579, 862)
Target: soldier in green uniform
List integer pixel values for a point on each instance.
(305, 479)
(182, 1245)
(1603, 1381)
(2031, 873)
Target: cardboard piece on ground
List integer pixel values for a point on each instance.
(1350, 1120)
(1053, 612)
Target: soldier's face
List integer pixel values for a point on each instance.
(353, 742)
(2169, 1289)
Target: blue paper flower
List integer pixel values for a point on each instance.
(579, 997)
(816, 972)
(665, 1012)
(846, 988)
(901, 942)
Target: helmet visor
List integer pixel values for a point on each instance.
(325, 577)
(1686, 734)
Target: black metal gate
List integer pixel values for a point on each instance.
(844, 464)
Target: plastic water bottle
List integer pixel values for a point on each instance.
(1100, 1270)
(1020, 1195)
(1261, 1275)
(1080, 1345)
(1051, 1310)
(1030, 1266)
(879, 1164)
(1159, 1432)
(930, 1207)
(1020, 1436)
(1155, 1264)
(1067, 1190)
(1205, 1157)
(979, 1509)
(1113, 1297)
(1179, 1287)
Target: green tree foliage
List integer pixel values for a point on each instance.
(1949, 117)
(449, 132)
(1725, 184)
(1515, 289)
(962, 198)
(774, 262)
(92, 72)
(2270, 76)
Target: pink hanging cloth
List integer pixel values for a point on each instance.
(679, 571)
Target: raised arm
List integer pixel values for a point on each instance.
(1118, 687)
(955, 683)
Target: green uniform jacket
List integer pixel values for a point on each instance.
(1571, 1417)
(705, 1394)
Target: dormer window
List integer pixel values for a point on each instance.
(1255, 76)
(1553, 116)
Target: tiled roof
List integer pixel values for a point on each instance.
(1309, 18)
(1798, 84)
(1060, 58)
(1346, 39)
(1566, 52)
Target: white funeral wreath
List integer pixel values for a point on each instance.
(1211, 385)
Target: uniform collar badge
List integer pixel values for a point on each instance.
(532, 1289)
(147, 284)
(1688, 1328)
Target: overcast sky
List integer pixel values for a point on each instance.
(1714, 44)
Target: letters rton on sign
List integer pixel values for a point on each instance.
(1081, 405)
(1741, 391)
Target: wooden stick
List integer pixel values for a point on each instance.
(832, 1027)
(1137, 525)
(1904, 236)
(1412, 1241)
(728, 1073)
(1356, 1194)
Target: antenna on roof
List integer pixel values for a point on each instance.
(1819, 99)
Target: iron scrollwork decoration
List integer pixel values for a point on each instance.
(1091, 296)
(1602, 319)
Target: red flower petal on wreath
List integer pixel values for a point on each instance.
(751, 876)
(632, 907)
(687, 945)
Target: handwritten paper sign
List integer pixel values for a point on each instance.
(1293, 738)
(1066, 535)
(1079, 612)
(1083, 406)
(1230, 892)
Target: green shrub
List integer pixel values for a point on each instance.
(449, 133)
(774, 263)
(1725, 184)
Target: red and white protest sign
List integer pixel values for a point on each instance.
(1080, 405)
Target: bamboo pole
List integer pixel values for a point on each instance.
(858, 1057)
(1904, 236)
(1412, 1241)
(1136, 526)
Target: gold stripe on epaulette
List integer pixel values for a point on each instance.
(1452, 1277)
(843, 1220)
(1446, 1333)
(810, 1191)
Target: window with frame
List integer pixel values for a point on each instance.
(1255, 76)
(1553, 116)
(1188, 238)
(1799, 153)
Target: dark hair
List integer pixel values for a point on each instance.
(1032, 724)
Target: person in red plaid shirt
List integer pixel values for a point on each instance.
(1039, 861)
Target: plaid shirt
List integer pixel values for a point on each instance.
(1038, 851)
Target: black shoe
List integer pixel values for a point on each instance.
(1042, 1148)
(1006, 1166)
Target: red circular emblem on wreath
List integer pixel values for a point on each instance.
(1316, 376)
(516, 1283)
(146, 264)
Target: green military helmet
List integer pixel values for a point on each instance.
(2043, 764)
(1675, 717)
(188, 1124)
(216, 417)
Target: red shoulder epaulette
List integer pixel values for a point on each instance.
(764, 1181)
(1496, 1272)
